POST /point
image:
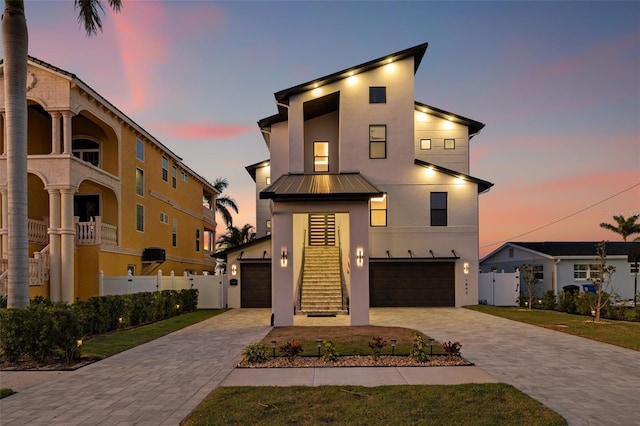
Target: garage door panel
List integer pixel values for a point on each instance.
(255, 290)
(412, 284)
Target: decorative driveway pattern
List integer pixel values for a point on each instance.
(586, 382)
(158, 383)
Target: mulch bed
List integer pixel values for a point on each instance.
(358, 361)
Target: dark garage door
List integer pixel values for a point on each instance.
(412, 284)
(255, 285)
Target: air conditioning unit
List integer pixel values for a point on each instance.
(153, 255)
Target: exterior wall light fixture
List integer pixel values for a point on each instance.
(465, 268)
(234, 270)
(360, 257)
(283, 257)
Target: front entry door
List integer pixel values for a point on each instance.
(322, 229)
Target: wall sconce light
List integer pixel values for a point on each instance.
(283, 257)
(360, 257)
(465, 268)
(234, 269)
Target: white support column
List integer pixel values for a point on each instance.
(67, 245)
(359, 239)
(55, 292)
(67, 132)
(4, 223)
(55, 132)
(282, 261)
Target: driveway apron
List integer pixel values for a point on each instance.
(158, 383)
(587, 382)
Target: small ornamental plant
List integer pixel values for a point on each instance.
(376, 346)
(256, 353)
(452, 348)
(419, 348)
(330, 353)
(292, 349)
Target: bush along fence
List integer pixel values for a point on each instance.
(46, 329)
(583, 304)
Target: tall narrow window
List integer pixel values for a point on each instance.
(208, 240)
(174, 233)
(140, 182)
(378, 141)
(139, 150)
(165, 169)
(438, 209)
(139, 217)
(377, 95)
(174, 177)
(320, 157)
(378, 216)
(197, 239)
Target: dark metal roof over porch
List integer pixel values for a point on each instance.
(325, 187)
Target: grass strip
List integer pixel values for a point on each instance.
(625, 334)
(5, 392)
(469, 404)
(106, 345)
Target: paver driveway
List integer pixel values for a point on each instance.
(587, 382)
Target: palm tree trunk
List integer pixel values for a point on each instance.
(15, 42)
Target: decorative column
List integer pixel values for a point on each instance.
(3, 146)
(66, 133)
(55, 292)
(4, 223)
(55, 132)
(67, 245)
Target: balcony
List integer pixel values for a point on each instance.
(87, 233)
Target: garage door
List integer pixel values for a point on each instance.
(255, 285)
(412, 284)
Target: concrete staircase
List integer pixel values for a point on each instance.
(321, 291)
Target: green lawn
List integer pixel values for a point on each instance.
(625, 334)
(471, 404)
(106, 345)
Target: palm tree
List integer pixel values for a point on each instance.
(224, 203)
(15, 46)
(235, 236)
(624, 227)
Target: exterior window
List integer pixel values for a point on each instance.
(174, 177)
(510, 251)
(164, 218)
(131, 269)
(185, 177)
(86, 150)
(438, 209)
(268, 180)
(321, 157)
(139, 150)
(139, 217)
(197, 239)
(378, 216)
(140, 182)
(425, 143)
(174, 233)
(208, 240)
(449, 144)
(377, 95)
(378, 141)
(268, 226)
(165, 169)
(538, 272)
(584, 272)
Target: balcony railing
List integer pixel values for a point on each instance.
(87, 233)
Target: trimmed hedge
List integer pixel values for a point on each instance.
(46, 329)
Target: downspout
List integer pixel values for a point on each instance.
(554, 281)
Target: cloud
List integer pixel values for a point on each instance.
(202, 130)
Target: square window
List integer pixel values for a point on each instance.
(449, 144)
(139, 150)
(438, 209)
(377, 95)
(425, 143)
(377, 141)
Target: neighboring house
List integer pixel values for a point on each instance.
(104, 194)
(559, 264)
(366, 199)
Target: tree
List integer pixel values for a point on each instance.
(15, 47)
(224, 203)
(528, 275)
(624, 227)
(235, 236)
(601, 279)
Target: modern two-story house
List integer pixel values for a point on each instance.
(366, 200)
(105, 196)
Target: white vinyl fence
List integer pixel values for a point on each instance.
(210, 294)
(499, 289)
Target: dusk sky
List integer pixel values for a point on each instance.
(556, 83)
